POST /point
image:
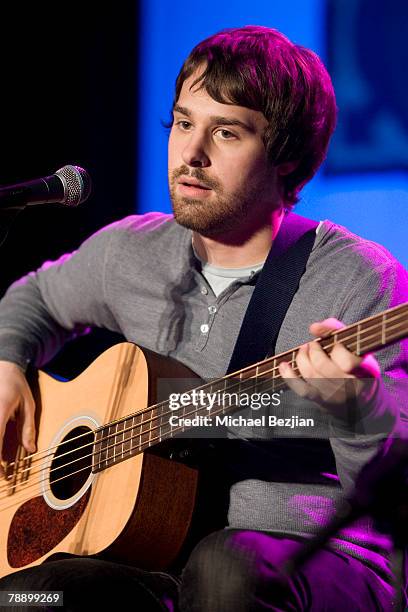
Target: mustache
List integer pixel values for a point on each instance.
(198, 174)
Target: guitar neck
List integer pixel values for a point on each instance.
(150, 426)
(373, 333)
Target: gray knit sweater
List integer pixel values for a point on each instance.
(139, 277)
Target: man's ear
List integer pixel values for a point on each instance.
(286, 167)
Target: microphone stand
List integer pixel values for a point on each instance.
(381, 491)
(7, 218)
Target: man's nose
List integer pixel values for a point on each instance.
(194, 153)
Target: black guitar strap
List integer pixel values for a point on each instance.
(274, 291)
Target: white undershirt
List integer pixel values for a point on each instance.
(220, 278)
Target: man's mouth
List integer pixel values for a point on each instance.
(191, 182)
(192, 187)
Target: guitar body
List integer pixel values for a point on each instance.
(137, 511)
(89, 490)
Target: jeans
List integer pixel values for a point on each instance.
(229, 571)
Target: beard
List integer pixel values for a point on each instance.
(215, 216)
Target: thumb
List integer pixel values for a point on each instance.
(323, 328)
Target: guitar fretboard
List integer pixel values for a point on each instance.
(127, 437)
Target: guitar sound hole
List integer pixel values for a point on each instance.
(72, 463)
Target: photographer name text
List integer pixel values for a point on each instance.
(291, 422)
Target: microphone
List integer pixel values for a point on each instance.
(70, 185)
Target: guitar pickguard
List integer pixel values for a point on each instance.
(30, 536)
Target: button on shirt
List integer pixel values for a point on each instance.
(222, 283)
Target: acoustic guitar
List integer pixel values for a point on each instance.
(91, 488)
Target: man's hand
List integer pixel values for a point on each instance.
(331, 380)
(16, 401)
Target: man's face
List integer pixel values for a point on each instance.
(219, 177)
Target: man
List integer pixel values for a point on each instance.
(252, 118)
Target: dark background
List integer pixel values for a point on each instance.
(69, 75)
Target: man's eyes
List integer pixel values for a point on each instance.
(184, 125)
(226, 134)
(223, 133)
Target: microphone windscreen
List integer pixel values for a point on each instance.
(77, 184)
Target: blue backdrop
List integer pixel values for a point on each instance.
(373, 203)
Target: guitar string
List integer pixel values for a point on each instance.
(118, 433)
(123, 441)
(141, 448)
(213, 383)
(10, 484)
(234, 374)
(27, 485)
(114, 434)
(138, 435)
(121, 432)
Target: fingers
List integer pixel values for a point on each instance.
(339, 362)
(294, 382)
(6, 413)
(313, 362)
(319, 389)
(344, 361)
(16, 400)
(28, 425)
(368, 367)
(322, 377)
(2, 431)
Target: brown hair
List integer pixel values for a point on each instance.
(261, 69)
